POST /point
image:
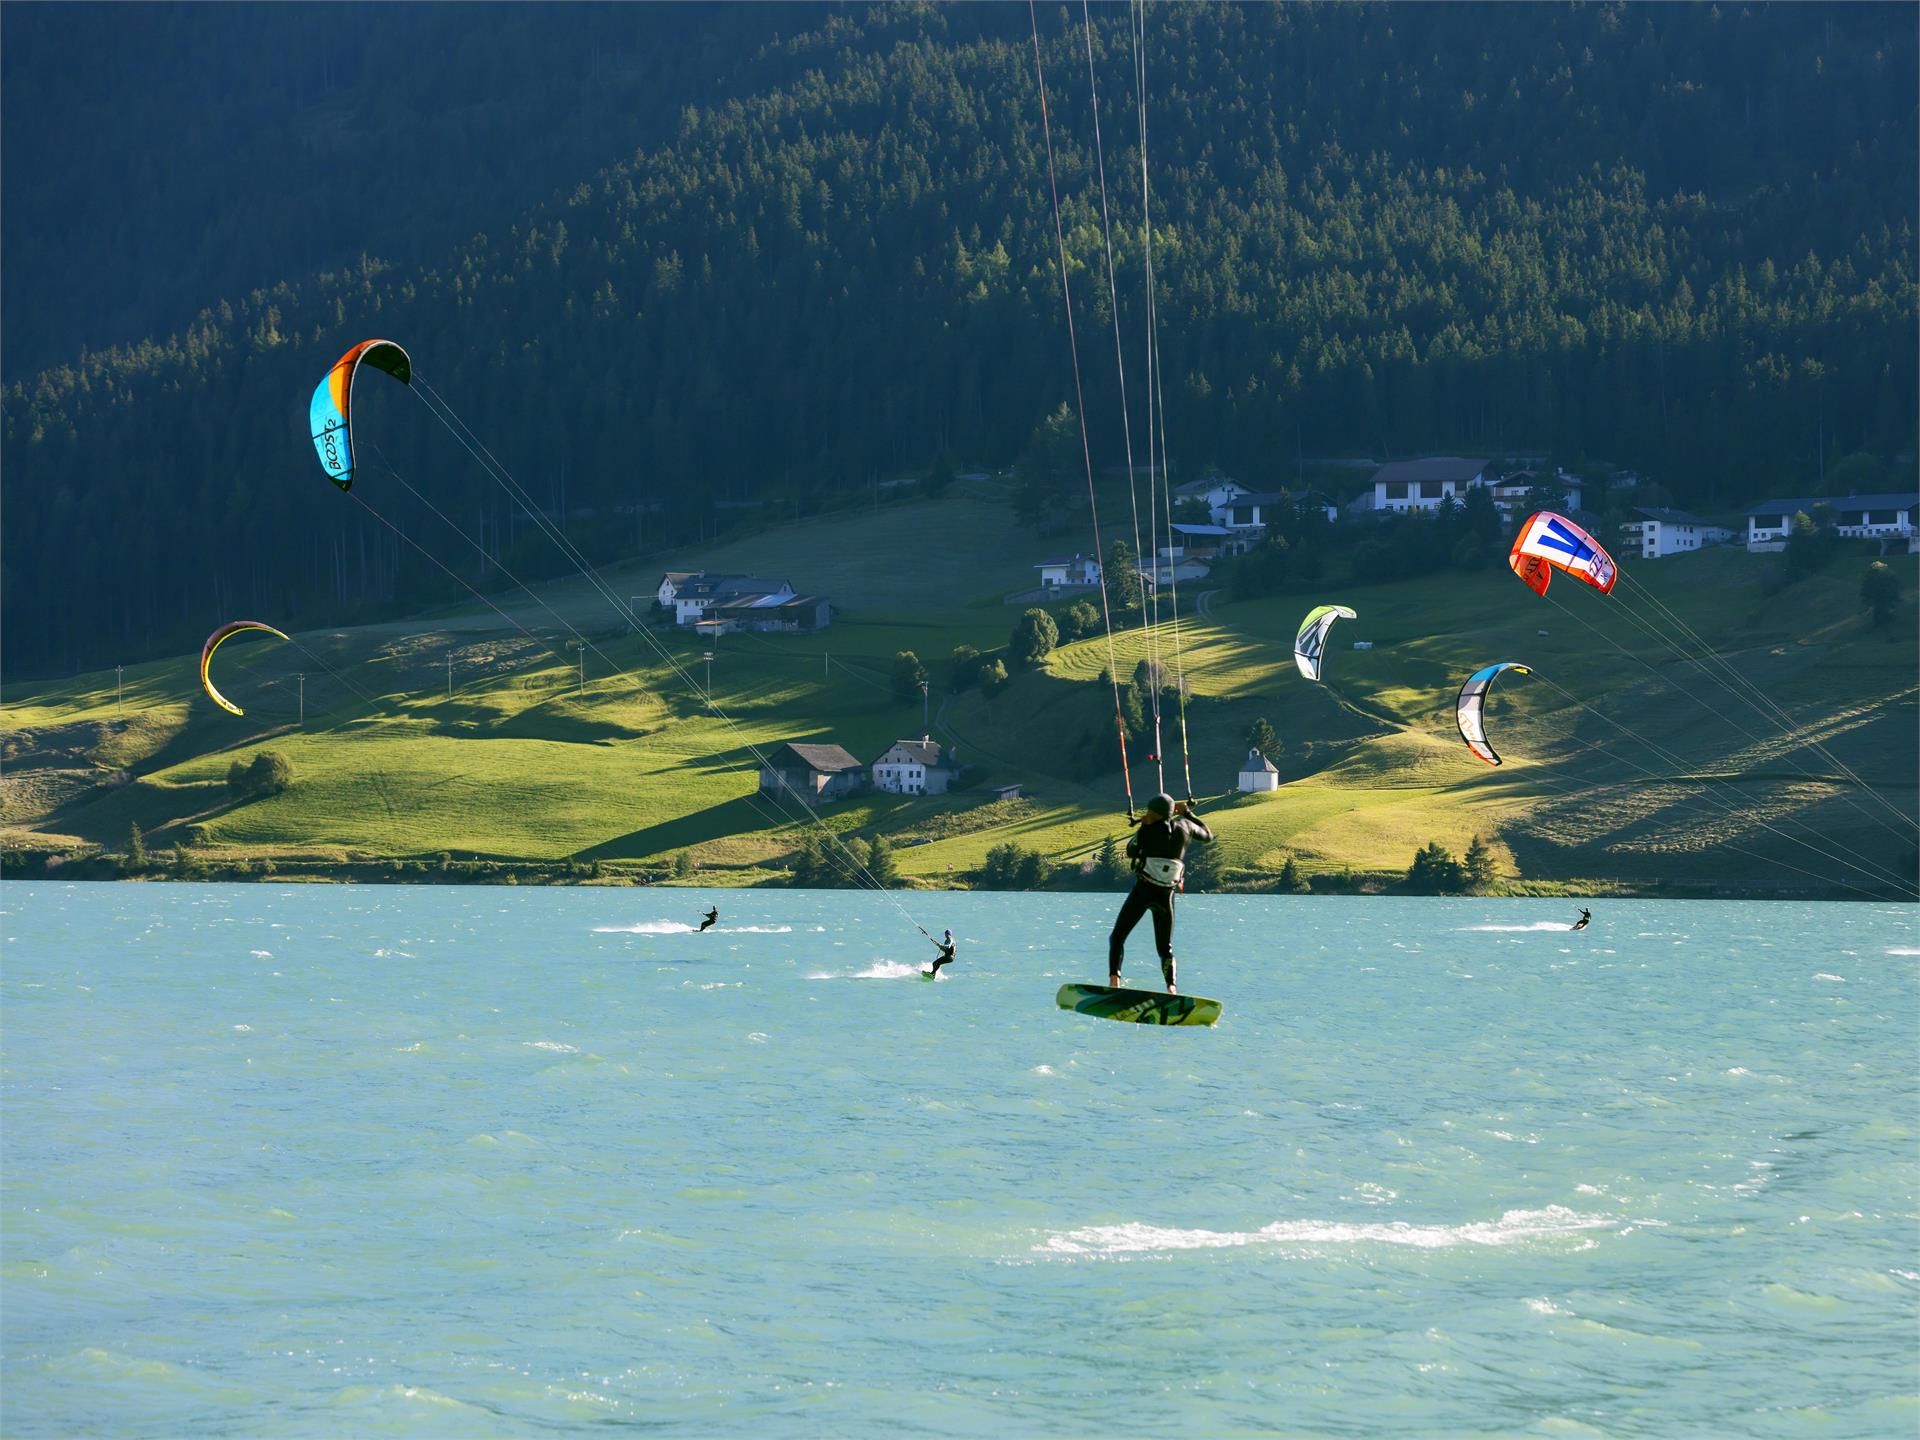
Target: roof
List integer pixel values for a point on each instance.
(1201, 529)
(828, 759)
(926, 752)
(1258, 764)
(1434, 467)
(678, 575)
(1066, 560)
(1264, 497)
(1201, 487)
(1884, 501)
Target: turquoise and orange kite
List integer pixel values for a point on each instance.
(331, 415)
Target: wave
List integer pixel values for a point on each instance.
(1514, 1227)
(754, 929)
(1903, 950)
(646, 927)
(1523, 929)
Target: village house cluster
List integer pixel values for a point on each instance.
(1237, 517)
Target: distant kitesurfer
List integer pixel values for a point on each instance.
(946, 947)
(1155, 850)
(713, 915)
(1581, 923)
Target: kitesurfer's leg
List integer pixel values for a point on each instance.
(1135, 905)
(1163, 934)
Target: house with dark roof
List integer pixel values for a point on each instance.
(1069, 572)
(1885, 517)
(697, 594)
(1649, 534)
(1409, 485)
(914, 767)
(1514, 493)
(813, 774)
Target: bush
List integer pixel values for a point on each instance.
(1010, 867)
(1204, 866)
(268, 774)
(1033, 638)
(993, 678)
(1083, 619)
(683, 865)
(880, 862)
(1880, 590)
(1291, 882)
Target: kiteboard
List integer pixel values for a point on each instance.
(1142, 1007)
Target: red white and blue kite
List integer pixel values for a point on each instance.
(1549, 542)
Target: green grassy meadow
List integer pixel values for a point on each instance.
(1663, 778)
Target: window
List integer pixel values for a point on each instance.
(1431, 490)
(1396, 489)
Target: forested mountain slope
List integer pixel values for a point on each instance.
(1678, 238)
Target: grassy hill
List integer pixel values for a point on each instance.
(523, 763)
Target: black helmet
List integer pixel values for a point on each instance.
(1161, 805)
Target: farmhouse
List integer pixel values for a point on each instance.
(812, 774)
(694, 594)
(1514, 495)
(913, 767)
(1075, 571)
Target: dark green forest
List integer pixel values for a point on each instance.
(1674, 238)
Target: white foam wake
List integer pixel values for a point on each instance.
(1903, 950)
(754, 929)
(1523, 929)
(646, 927)
(1514, 1227)
(879, 970)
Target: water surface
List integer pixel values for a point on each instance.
(313, 1161)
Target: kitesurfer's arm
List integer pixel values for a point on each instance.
(1195, 827)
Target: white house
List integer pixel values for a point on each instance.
(913, 767)
(1197, 542)
(1406, 485)
(1250, 510)
(1511, 492)
(1652, 534)
(1258, 774)
(1213, 492)
(1857, 517)
(1075, 570)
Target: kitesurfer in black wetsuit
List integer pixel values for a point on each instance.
(1581, 923)
(946, 947)
(713, 916)
(1155, 850)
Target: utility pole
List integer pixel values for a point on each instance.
(449, 675)
(580, 649)
(708, 657)
(302, 678)
(118, 670)
(926, 725)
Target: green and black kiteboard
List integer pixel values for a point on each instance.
(1142, 1007)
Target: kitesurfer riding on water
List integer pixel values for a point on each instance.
(945, 945)
(713, 915)
(1156, 851)
(1581, 923)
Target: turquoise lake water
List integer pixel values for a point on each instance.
(324, 1161)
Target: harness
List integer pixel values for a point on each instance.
(1162, 872)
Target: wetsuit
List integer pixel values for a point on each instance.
(946, 958)
(1156, 850)
(708, 923)
(1581, 923)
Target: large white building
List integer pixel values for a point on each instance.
(1652, 534)
(1069, 572)
(1856, 517)
(1510, 494)
(913, 767)
(1409, 485)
